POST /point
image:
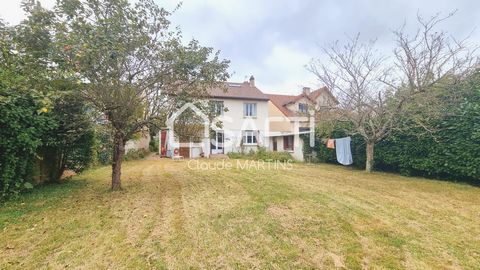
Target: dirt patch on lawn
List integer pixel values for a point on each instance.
(283, 214)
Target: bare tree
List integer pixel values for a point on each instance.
(353, 71)
(425, 63)
(373, 95)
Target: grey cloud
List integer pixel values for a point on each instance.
(249, 32)
(274, 39)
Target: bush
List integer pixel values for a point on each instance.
(153, 145)
(103, 142)
(262, 154)
(451, 152)
(23, 124)
(136, 154)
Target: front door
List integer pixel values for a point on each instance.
(217, 142)
(274, 143)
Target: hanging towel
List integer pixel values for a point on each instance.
(344, 153)
(331, 143)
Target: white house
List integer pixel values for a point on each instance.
(243, 112)
(251, 119)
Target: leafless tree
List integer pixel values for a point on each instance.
(353, 71)
(373, 94)
(427, 62)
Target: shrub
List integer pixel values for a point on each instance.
(136, 154)
(23, 123)
(452, 151)
(153, 145)
(262, 154)
(103, 141)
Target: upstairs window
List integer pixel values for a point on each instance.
(250, 109)
(217, 107)
(250, 137)
(303, 107)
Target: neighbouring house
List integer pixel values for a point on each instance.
(251, 119)
(290, 117)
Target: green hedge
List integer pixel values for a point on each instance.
(136, 154)
(325, 155)
(262, 154)
(22, 127)
(451, 152)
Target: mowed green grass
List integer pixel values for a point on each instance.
(313, 216)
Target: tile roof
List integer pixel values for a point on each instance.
(280, 101)
(238, 91)
(314, 95)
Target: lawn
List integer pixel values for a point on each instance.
(313, 216)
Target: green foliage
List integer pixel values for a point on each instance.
(103, 145)
(136, 154)
(153, 145)
(44, 127)
(22, 127)
(262, 154)
(333, 129)
(70, 144)
(136, 65)
(452, 151)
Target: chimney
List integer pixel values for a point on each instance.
(306, 91)
(252, 81)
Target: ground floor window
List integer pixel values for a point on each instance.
(249, 137)
(288, 143)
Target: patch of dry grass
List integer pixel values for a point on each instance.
(314, 216)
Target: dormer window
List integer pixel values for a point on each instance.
(303, 107)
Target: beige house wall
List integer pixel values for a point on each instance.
(278, 121)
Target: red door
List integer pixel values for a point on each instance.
(163, 140)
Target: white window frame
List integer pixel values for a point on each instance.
(250, 109)
(250, 137)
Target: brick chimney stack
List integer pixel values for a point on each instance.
(252, 81)
(306, 90)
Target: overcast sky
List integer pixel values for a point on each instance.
(274, 39)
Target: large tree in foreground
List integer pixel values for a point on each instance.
(374, 95)
(131, 65)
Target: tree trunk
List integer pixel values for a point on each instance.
(369, 162)
(118, 152)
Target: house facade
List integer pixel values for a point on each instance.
(248, 119)
(242, 110)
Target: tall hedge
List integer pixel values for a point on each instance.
(22, 127)
(452, 151)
